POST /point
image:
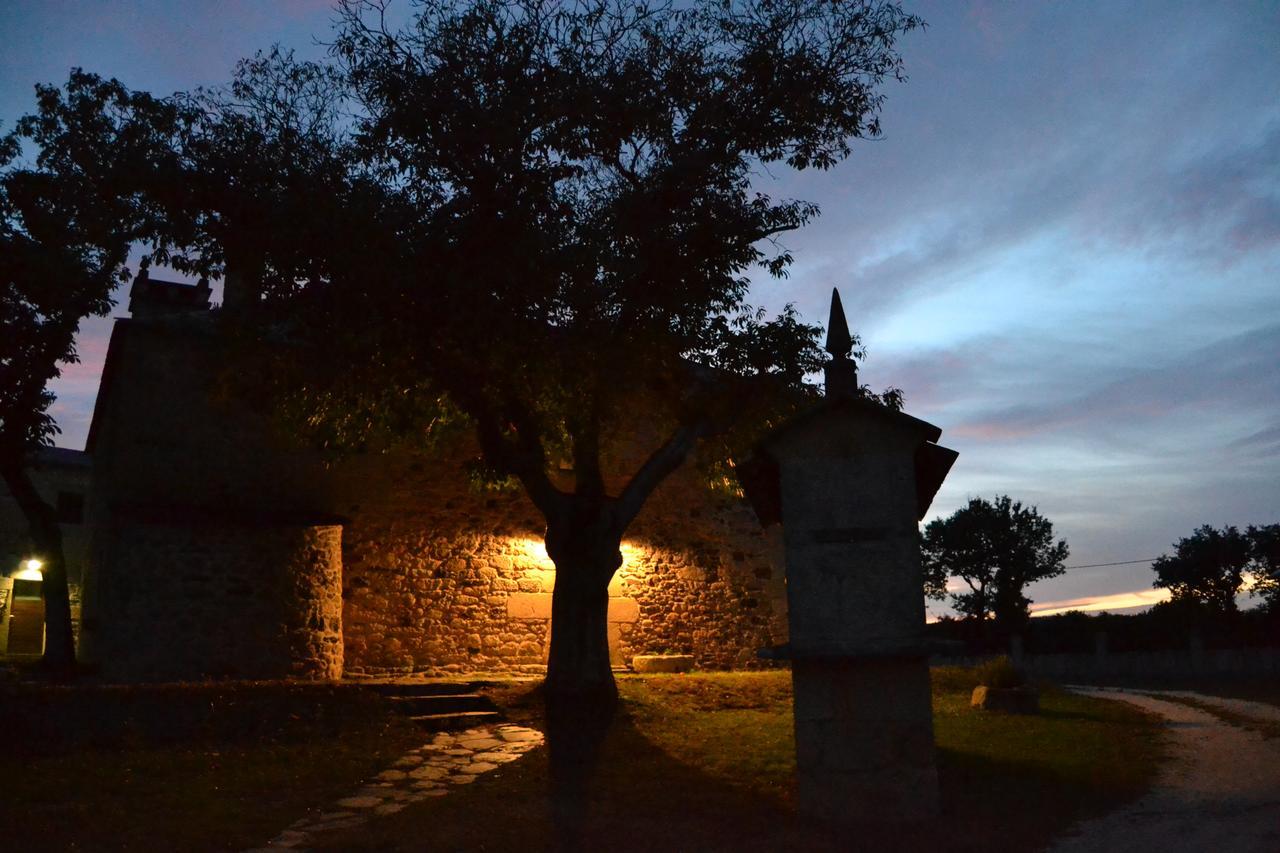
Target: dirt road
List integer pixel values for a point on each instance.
(1219, 791)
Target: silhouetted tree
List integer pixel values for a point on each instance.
(997, 548)
(578, 185)
(533, 219)
(1264, 554)
(1206, 568)
(65, 227)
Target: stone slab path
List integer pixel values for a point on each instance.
(1218, 791)
(431, 770)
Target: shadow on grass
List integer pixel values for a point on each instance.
(1086, 717)
(637, 797)
(665, 776)
(634, 797)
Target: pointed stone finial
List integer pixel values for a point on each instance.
(841, 371)
(839, 341)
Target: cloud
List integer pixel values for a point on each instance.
(1105, 132)
(1235, 374)
(1097, 603)
(1264, 442)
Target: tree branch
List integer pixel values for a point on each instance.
(41, 517)
(655, 469)
(585, 435)
(526, 463)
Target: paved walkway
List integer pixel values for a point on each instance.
(450, 759)
(1219, 791)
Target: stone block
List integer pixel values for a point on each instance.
(662, 663)
(529, 605)
(624, 610)
(1010, 700)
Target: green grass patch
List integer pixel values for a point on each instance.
(706, 762)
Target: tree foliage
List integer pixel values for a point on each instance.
(66, 223)
(997, 548)
(1207, 568)
(533, 219)
(1264, 547)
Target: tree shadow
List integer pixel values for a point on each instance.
(612, 788)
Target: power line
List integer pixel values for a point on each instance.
(1121, 563)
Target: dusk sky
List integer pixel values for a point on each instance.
(1065, 249)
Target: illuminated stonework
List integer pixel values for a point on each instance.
(435, 577)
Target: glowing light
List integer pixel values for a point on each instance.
(30, 571)
(533, 563)
(535, 551)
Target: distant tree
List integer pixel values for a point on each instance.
(1206, 568)
(997, 548)
(1264, 563)
(65, 226)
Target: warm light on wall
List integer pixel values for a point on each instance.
(533, 551)
(533, 554)
(30, 571)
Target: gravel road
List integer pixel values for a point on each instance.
(1219, 791)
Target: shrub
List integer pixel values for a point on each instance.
(1000, 672)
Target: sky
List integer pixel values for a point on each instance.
(1065, 248)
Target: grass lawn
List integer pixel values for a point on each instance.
(705, 762)
(227, 769)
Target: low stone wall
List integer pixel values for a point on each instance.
(185, 601)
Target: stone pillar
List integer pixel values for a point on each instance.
(864, 738)
(849, 481)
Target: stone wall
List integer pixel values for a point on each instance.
(228, 600)
(441, 579)
(436, 577)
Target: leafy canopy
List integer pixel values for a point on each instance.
(997, 548)
(1264, 543)
(1206, 567)
(541, 216)
(66, 222)
(535, 218)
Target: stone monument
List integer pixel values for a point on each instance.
(849, 480)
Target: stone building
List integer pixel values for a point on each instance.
(220, 550)
(62, 478)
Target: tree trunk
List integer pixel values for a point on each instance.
(581, 695)
(578, 667)
(46, 535)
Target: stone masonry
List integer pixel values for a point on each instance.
(435, 576)
(439, 579)
(184, 600)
